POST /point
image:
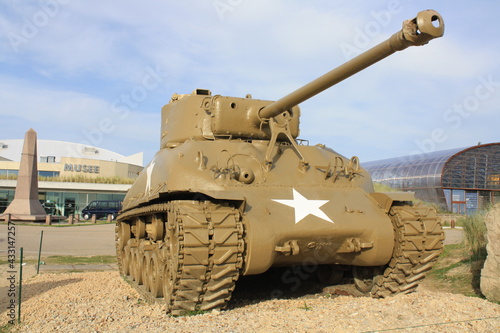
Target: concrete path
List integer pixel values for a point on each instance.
(453, 235)
(86, 240)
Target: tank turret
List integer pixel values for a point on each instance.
(233, 192)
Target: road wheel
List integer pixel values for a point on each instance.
(146, 270)
(126, 261)
(138, 267)
(155, 275)
(131, 264)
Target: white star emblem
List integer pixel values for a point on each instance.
(149, 171)
(304, 207)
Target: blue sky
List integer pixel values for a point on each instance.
(98, 72)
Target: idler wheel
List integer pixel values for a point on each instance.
(365, 276)
(123, 234)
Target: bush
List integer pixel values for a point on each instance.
(475, 240)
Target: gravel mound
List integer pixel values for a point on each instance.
(105, 302)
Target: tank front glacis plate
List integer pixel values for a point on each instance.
(323, 212)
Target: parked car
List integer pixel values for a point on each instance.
(102, 208)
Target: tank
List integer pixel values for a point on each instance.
(233, 192)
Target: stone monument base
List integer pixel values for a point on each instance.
(490, 275)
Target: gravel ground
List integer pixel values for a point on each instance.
(104, 302)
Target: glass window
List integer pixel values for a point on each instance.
(8, 173)
(458, 195)
(48, 174)
(6, 196)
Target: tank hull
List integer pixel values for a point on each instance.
(327, 221)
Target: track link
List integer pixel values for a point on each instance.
(417, 246)
(200, 256)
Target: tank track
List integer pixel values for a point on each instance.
(195, 263)
(417, 245)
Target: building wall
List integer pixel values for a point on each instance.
(68, 161)
(70, 166)
(64, 198)
(462, 180)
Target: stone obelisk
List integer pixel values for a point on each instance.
(25, 206)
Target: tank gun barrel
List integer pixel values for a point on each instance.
(415, 32)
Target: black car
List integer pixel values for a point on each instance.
(102, 208)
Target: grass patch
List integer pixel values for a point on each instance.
(70, 260)
(65, 224)
(60, 224)
(456, 272)
(458, 269)
(474, 228)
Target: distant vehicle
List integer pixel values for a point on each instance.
(102, 208)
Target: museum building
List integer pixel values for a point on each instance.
(461, 180)
(74, 167)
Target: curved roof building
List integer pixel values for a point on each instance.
(71, 174)
(459, 180)
(10, 150)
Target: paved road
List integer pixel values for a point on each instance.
(453, 236)
(85, 240)
(90, 240)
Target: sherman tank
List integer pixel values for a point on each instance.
(233, 192)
